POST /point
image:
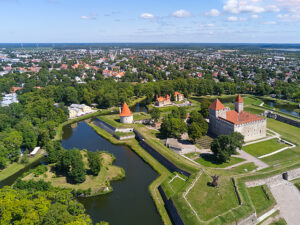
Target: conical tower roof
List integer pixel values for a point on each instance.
(239, 99)
(125, 110)
(217, 105)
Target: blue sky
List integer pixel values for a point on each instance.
(241, 21)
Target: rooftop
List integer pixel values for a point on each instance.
(217, 105)
(234, 117)
(125, 110)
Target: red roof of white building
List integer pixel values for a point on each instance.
(125, 110)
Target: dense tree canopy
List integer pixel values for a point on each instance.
(225, 145)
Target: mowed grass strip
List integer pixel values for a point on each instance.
(288, 132)
(209, 160)
(260, 200)
(210, 202)
(264, 147)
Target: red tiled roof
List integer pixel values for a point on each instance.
(125, 110)
(239, 99)
(14, 89)
(217, 105)
(242, 117)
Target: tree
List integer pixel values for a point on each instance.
(173, 127)
(12, 141)
(205, 108)
(155, 114)
(194, 131)
(77, 173)
(28, 134)
(182, 112)
(225, 145)
(94, 162)
(196, 117)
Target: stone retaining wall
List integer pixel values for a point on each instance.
(282, 118)
(292, 174)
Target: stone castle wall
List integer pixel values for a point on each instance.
(218, 126)
(253, 130)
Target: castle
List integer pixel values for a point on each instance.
(126, 115)
(222, 120)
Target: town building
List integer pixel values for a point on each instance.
(126, 115)
(178, 96)
(222, 120)
(162, 101)
(76, 110)
(9, 99)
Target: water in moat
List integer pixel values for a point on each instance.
(289, 109)
(130, 202)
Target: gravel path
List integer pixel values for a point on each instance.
(249, 158)
(288, 199)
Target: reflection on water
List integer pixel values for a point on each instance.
(130, 203)
(289, 109)
(139, 107)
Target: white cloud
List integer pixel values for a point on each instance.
(270, 22)
(254, 16)
(213, 12)
(232, 18)
(84, 17)
(249, 6)
(92, 16)
(236, 7)
(291, 8)
(272, 8)
(147, 16)
(181, 13)
(210, 25)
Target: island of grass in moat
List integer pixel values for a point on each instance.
(95, 183)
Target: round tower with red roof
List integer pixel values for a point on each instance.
(126, 115)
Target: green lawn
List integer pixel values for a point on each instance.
(208, 201)
(264, 147)
(13, 168)
(210, 161)
(260, 200)
(247, 167)
(253, 110)
(288, 132)
(173, 187)
(141, 116)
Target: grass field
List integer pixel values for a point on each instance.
(141, 116)
(15, 167)
(260, 199)
(208, 201)
(209, 160)
(97, 184)
(264, 147)
(289, 133)
(172, 187)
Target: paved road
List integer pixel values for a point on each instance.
(288, 199)
(249, 158)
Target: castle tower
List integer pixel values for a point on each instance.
(217, 109)
(239, 104)
(126, 115)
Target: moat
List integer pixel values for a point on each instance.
(130, 202)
